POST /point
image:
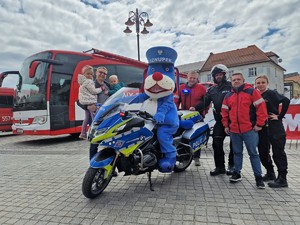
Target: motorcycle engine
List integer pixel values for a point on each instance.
(144, 163)
(149, 160)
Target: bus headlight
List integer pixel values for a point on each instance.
(39, 120)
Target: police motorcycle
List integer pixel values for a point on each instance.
(127, 141)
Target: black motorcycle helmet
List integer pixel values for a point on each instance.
(219, 68)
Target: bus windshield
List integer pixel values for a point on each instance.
(6, 99)
(32, 95)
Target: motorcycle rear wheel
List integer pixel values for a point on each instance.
(183, 159)
(94, 182)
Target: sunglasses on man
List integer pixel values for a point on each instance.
(100, 72)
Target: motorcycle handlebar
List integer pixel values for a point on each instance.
(145, 115)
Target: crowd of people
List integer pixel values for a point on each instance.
(94, 91)
(246, 114)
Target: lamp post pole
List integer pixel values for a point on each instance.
(138, 19)
(137, 28)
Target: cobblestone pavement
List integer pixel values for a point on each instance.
(40, 183)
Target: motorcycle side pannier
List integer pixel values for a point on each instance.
(198, 136)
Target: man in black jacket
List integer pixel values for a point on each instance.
(215, 94)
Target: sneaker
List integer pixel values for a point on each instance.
(259, 182)
(269, 176)
(230, 170)
(82, 136)
(278, 183)
(235, 177)
(217, 171)
(197, 161)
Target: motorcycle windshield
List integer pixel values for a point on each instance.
(123, 96)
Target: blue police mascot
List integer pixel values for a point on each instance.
(158, 100)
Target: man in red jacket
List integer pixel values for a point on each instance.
(190, 94)
(244, 113)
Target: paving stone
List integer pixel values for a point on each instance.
(41, 177)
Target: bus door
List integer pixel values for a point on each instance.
(60, 90)
(60, 85)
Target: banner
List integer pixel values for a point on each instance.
(291, 122)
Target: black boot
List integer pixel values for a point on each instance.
(279, 182)
(269, 176)
(259, 182)
(217, 171)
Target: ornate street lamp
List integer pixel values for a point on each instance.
(138, 19)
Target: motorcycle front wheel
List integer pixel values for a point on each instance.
(184, 158)
(94, 182)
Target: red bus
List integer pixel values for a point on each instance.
(7, 95)
(6, 108)
(46, 101)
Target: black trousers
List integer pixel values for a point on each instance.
(264, 149)
(218, 143)
(276, 138)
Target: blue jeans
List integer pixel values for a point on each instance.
(250, 139)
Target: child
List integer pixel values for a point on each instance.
(87, 96)
(115, 85)
(273, 135)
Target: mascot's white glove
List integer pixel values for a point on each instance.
(159, 117)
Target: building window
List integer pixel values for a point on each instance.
(208, 78)
(230, 72)
(252, 72)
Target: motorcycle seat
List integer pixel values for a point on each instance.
(186, 124)
(189, 115)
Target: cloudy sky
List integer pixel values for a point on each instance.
(194, 28)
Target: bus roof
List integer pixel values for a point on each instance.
(95, 53)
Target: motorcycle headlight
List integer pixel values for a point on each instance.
(99, 132)
(120, 128)
(39, 120)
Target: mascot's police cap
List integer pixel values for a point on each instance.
(161, 54)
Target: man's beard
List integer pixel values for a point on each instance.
(219, 81)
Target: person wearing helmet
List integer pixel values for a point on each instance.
(216, 94)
